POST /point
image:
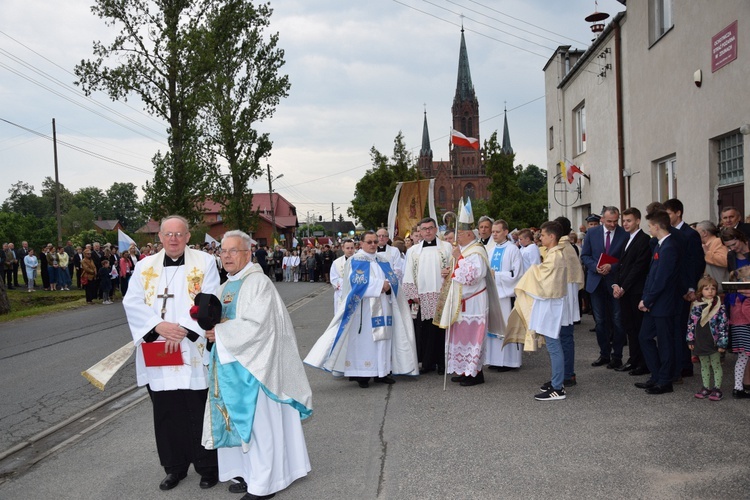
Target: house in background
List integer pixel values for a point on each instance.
(656, 108)
(106, 225)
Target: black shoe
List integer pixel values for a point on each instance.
(364, 382)
(422, 371)
(625, 368)
(600, 361)
(458, 378)
(208, 482)
(686, 373)
(615, 363)
(570, 382)
(592, 329)
(385, 380)
(645, 385)
(639, 371)
(502, 369)
(738, 394)
(660, 389)
(475, 380)
(239, 487)
(250, 496)
(441, 370)
(171, 481)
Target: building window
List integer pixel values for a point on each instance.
(666, 179)
(471, 128)
(731, 169)
(441, 196)
(551, 138)
(468, 191)
(579, 129)
(659, 19)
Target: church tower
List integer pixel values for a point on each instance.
(463, 175)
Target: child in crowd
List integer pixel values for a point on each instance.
(707, 336)
(105, 283)
(739, 324)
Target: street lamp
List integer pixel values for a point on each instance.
(270, 198)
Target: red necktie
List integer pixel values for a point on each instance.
(606, 244)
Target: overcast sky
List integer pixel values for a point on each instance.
(360, 71)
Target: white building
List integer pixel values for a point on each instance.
(657, 107)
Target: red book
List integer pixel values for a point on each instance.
(154, 355)
(606, 259)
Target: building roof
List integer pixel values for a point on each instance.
(151, 227)
(106, 225)
(507, 149)
(602, 38)
(464, 87)
(426, 149)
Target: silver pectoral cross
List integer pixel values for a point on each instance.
(166, 296)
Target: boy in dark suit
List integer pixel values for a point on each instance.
(659, 302)
(628, 287)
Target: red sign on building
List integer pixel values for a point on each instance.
(724, 47)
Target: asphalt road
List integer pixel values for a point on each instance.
(412, 440)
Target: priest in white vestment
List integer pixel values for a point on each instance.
(422, 283)
(259, 393)
(507, 266)
(392, 253)
(160, 295)
(372, 335)
(337, 273)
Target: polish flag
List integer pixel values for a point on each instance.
(459, 139)
(573, 173)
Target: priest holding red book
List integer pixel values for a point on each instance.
(161, 293)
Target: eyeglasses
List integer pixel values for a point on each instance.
(170, 234)
(233, 252)
(370, 242)
(428, 228)
(382, 236)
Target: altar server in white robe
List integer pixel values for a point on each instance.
(337, 273)
(529, 251)
(160, 295)
(259, 391)
(391, 252)
(507, 265)
(372, 335)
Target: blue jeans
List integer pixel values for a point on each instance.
(557, 361)
(609, 333)
(569, 350)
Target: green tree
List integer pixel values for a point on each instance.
(374, 191)
(23, 200)
(92, 198)
(78, 219)
(124, 206)
(49, 192)
(155, 56)
(243, 87)
(532, 178)
(508, 200)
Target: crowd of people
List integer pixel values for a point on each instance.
(454, 303)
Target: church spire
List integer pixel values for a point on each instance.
(507, 149)
(464, 87)
(426, 149)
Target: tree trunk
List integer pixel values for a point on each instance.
(4, 302)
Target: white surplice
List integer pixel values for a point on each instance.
(149, 279)
(507, 265)
(337, 281)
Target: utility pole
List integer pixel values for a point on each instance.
(333, 214)
(57, 187)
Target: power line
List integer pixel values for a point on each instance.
(150, 117)
(80, 149)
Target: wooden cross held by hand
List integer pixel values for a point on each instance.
(164, 304)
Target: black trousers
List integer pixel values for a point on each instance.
(433, 345)
(178, 425)
(632, 318)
